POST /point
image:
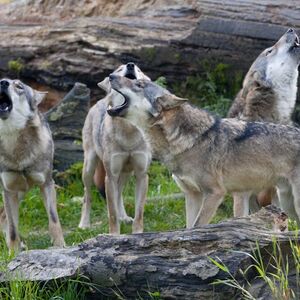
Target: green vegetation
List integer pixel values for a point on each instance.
(211, 90)
(274, 268)
(62, 290)
(149, 53)
(162, 81)
(160, 215)
(15, 66)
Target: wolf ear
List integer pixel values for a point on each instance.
(105, 85)
(169, 101)
(39, 96)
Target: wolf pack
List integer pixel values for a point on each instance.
(254, 153)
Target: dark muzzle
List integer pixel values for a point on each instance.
(5, 101)
(120, 110)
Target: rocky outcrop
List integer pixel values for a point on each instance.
(66, 120)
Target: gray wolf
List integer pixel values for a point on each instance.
(114, 148)
(26, 154)
(209, 156)
(269, 94)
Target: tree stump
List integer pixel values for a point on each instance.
(66, 120)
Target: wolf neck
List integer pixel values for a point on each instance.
(285, 88)
(183, 126)
(123, 128)
(10, 132)
(286, 96)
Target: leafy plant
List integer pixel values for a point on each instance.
(214, 89)
(162, 81)
(16, 66)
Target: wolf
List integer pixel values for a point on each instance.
(114, 148)
(209, 156)
(26, 155)
(269, 94)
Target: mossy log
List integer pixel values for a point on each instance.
(174, 264)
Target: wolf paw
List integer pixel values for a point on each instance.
(126, 219)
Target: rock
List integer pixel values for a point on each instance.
(66, 120)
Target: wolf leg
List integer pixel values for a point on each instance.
(123, 217)
(289, 197)
(99, 178)
(241, 204)
(89, 165)
(193, 204)
(112, 194)
(140, 200)
(193, 201)
(209, 207)
(11, 208)
(49, 197)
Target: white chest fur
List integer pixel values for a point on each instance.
(283, 78)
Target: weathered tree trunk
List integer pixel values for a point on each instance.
(66, 121)
(176, 264)
(57, 43)
(64, 43)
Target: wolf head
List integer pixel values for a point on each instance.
(277, 63)
(130, 70)
(18, 101)
(143, 99)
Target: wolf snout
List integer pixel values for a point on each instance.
(4, 84)
(112, 77)
(130, 66)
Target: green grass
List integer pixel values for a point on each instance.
(160, 215)
(274, 268)
(211, 90)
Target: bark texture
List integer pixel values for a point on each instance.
(176, 264)
(57, 43)
(61, 42)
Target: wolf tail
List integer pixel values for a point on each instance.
(99, 179)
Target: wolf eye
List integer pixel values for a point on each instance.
(19, 85)
(269, 51)
(139, 84)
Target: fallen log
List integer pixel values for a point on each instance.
(60, 43)
(174, 264)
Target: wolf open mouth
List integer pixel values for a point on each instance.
(5, 103)
(130, 75)
(296, 42)
(120, 109)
